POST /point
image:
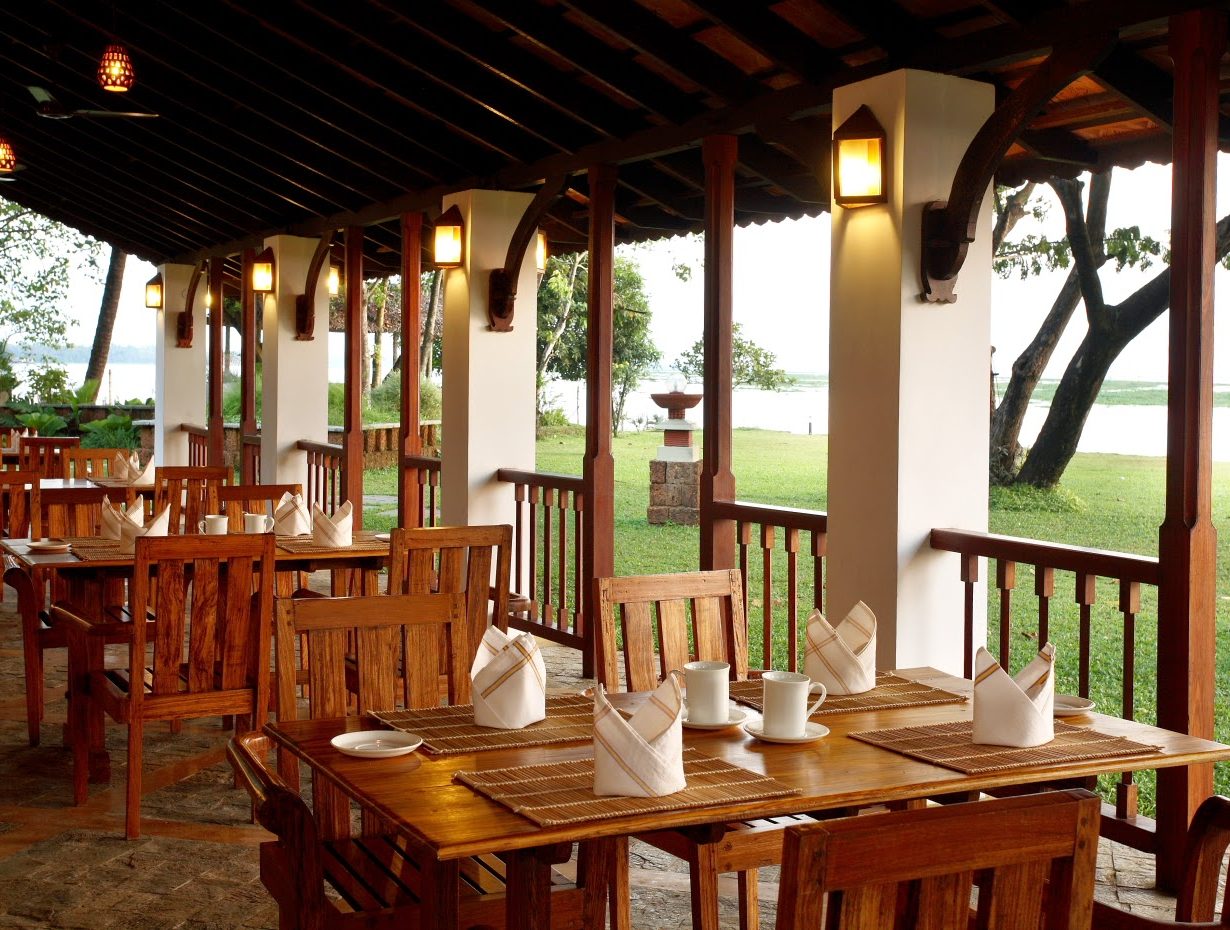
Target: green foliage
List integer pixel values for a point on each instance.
(552, 418)
(754, 365)
(48, 384)
(113, 432)
(44, 422)
(1025, 498)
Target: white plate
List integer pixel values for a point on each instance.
(49, 545)
(1069, 705)
(376, 744)
(814, 732)
(384, 537)
(736, 717)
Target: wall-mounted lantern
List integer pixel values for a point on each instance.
(449, 249)
(860, 165)
(334, 281)
(262, 272)
(540, 252)
(153, 292)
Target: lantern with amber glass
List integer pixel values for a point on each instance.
(540, 252)
(860, 163)
(449, 249)
(8, 158)
(262, 272)
(153, 292)
(334, 281)
(115, 70)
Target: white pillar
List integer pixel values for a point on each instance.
(294, 373)
(179, 374)
(908, 417)
(488, 391)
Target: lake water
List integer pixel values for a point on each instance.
(1128, 430)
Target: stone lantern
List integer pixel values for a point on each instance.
(674, 475)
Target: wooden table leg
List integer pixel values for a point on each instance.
(704, 877)
(438, 900)
(528, 877)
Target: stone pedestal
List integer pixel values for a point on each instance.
(674, 492)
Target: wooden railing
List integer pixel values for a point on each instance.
(324, 474)
(250, 460)
(198, 443)
(547, 554)
(1127, 571)
(777, 533)
(423, 504)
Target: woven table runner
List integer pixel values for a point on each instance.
(890, 691)
(447, 730)
(91, 542)
(362, 541)
(952, 746)
(555, 793)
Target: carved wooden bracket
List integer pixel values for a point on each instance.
(949, 226)
(502, 286)
(305, 303)
(183, 322)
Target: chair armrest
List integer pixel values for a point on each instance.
(117, 630)
(1207, 840)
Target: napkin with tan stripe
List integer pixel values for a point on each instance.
(509, 681)
(139, 478)
(1014, 711)
(641, 757)
(290, 517)
(843, 657)
(114, 517)
(334, 532)
(156, 527)
(125, 468)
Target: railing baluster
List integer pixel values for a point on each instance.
(744, 541)
(548, 607)
(791, 543)
(1005, 581)
(819, 549)
(1044, 587)
(969, 576)
(519, 538)
(1086, 594)
(532, 586)
(578, 578)
(561, 620)
(767, 539)
(1126, 793)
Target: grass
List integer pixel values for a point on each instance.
(1123, 393)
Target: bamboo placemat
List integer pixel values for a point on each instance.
(952, 746)
(361, 541)
(890, 691)
(93, 552)
(91, 542)
(447, 730)
(555, 793)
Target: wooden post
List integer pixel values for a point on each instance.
(1188, 541)
(247, 366)
(717, 480)
(216, 438)
(409, 496)
(598, 542)
(352, 436)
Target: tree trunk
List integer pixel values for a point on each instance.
(365, 390)
(548, 351)
(377, 348)
(430, 322)
(106, 321)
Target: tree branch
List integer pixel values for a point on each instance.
(1083, 250)
(1012, 212)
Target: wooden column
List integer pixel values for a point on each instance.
(409, 496)
(216, 438)
(247, 366)
(717, 480)
(598, 542)
(352, 436)
(1188, 542)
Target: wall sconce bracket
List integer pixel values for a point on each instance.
(183, 320)
(502, 284)
(305, 303)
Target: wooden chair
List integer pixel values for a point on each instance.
(691, 615)
(1032, 858)
(208, 660)
(237, 499)
(1207, 840)
(19, 504)
(191, 491)
(45, 454)
(91, 463)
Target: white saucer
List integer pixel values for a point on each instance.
(376, 744)
(1069, 705)
(814, 732)
(49, 545)
(736, 717)
(383, 537)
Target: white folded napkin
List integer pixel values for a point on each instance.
(156, 527)
(641, 757)
(138, 478)
(124, 467)
(335, 531)
(114, 518)
(843, 658)
(1014, 711)
(509, 681)
(290, 517)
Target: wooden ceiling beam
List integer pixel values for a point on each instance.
(1056, 145)
(771, 36)
(885, 23)
(1137, 81)
(781, 171)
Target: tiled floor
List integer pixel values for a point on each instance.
(196, 866)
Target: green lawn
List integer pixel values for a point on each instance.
(1106, 501)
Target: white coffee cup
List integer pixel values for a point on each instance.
(708, 686)
(257, 523)
(214, 524)
(785, 703)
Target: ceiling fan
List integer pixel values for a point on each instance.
(7, 177)
(48, 107)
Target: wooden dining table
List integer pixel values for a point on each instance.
(420, 796)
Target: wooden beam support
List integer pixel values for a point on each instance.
(409, 491)
(1187, 549)
(949, 226)
(183, 322)
(717, 479)
(247, 363)
(598, 469)
(216, 438)
(502, 287)
(305, 303)
(352, 430)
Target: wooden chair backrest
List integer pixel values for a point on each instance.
(211, 644)
(456, 560)
(44, 454)
(699, 615)
(20, 502)
(1029, 856)
(237, 499)
(91, 463)
(191, 491)
(77, 511)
